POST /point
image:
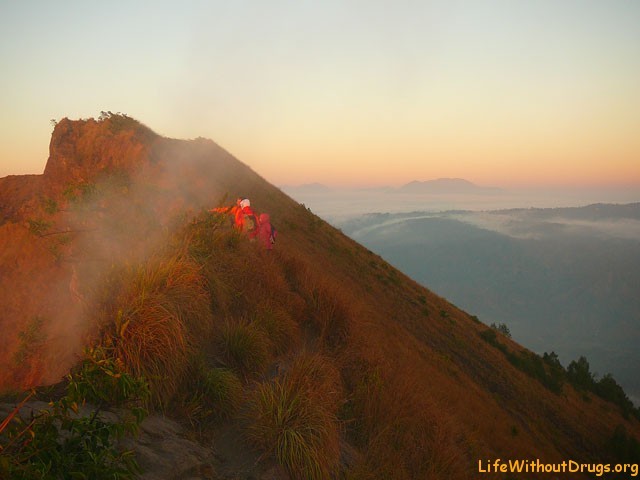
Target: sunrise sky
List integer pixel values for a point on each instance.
(358, 93)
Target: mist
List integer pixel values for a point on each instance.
(113, 225)
(337, 204)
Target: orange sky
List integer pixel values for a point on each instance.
(342, 93)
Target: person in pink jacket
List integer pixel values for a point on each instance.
(266, 232)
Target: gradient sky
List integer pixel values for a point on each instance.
(500, 92)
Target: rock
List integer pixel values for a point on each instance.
(163, 452)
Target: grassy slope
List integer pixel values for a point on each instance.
(432, 350)
(419, 395)
(496, 410)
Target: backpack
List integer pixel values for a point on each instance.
(249, 222)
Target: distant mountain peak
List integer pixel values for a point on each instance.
(314, 187)
(446, 185)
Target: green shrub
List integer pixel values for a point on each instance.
(502, 328)
(534, 366)
(222, 392)
(491, 337)
(39, 227)
(30, 341)
(63, 441)
(547, 370)
(50, 206)
(608, 389)
(580, 376)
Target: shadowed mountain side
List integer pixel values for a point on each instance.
(417, 389)
(563, 280)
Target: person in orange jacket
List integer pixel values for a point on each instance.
(235, 212)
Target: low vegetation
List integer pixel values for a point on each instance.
(70, 438)
(293, 418)
(549, 372)
(326, 361)
(579, 375)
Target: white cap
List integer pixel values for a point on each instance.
(245, 203)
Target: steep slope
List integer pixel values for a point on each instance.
(112, 243)
(561, 279)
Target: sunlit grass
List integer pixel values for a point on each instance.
(161, 315)
(290, 419)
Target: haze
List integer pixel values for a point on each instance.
(346, 93)
(561, 279)
(338, 204)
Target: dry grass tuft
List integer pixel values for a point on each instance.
(161, 316)
(242, 347)
(281, 330)
(317, 374)
(293, 419)
(210, 396)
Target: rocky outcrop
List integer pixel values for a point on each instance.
(110, 189)
(80, 151)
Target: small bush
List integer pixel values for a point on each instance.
(221, 391)
(608, 389)
(242, 347)
(317, 374)
(534, 366)
(31, 340)
(66, 441)
(212, 395)
(39, 227)
(290, 423)
(489, 336)
(502, 328)
(50, 206)
(580, 376)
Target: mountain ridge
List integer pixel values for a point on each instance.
(425, 394)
